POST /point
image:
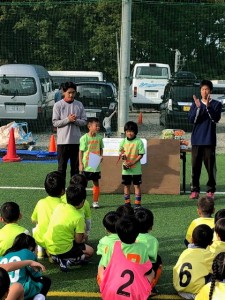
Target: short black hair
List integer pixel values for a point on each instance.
(54, 184)
(206, 205)
(75, 195)
(220, 229)
(92, 120)
(22, 241)
(79, 179)
(127, 229)
(131, 126)
(202, 236)
(145, 218)
(125, 210)
(208, 83)
(109, 221)
(10, 212)
(69, 85)
(4, 282)
(219, 215)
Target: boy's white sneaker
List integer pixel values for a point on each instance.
(95, 205)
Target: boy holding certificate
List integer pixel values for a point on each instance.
(91, 148)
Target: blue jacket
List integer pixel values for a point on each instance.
(204, 120)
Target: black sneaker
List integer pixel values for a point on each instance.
(127, 204)
(72, 262)
(154, 292)
(63, 265)
(137, 206)
(55, 259)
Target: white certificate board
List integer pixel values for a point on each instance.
(111, 148)
(94, 160)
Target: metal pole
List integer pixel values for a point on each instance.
(118, 57)
(124, 76)
(177, 60)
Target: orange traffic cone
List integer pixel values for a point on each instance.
(52, 144)
(11, 155)
(140, 118)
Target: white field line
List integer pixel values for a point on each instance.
(88, 189)
(26, 188)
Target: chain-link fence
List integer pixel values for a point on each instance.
(85, 36)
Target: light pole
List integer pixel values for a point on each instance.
(177, 60)
(124, 65)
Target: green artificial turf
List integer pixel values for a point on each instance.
(173, 213)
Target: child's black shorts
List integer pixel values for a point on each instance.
(94, 176)
(75, 252)
(128, 179)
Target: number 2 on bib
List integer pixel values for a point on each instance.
(120, 290)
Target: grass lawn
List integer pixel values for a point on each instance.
(173, 213)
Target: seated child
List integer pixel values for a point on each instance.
(80, 179)
(218, 244)
(15, 291)
(125, 269)
(205, 209)
(64, 238)
(218, 215)
(146, 219)
(216, 288)
(33, 282)
(109, 222)
(55, 188)
(10, 215)
(193, 267)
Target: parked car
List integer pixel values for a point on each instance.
(177, 100)
(222, 100)
(99, 100)
(184, 75)
(218, 93)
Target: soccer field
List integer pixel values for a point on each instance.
(23, 183)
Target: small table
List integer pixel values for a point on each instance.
(183, 153)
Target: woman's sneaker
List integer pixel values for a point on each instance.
(194, 195)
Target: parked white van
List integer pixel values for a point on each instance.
(148, 83)
(25, 92)
(59, 77)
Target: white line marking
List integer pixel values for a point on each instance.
(28, 188)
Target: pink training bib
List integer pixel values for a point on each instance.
(124, 279)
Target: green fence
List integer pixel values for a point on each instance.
(85, 36)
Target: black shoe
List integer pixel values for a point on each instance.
(72, 262)
(63, 265)
(137, 206)
(55, 259)
(154, 292)
(127, 204)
